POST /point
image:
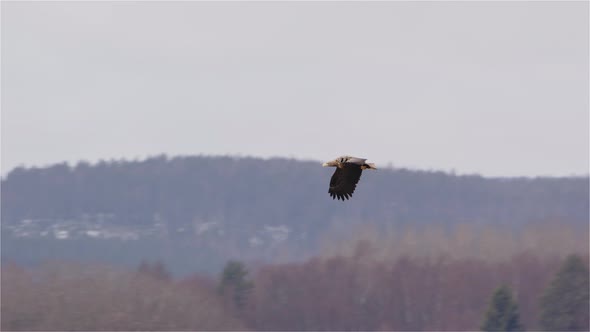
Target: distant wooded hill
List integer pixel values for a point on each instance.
(253, 191)
(254, 202)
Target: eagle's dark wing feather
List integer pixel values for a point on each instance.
(344, 180)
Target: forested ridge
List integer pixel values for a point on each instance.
(281, 191)
(195, 212)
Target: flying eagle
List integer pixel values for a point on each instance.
(347, 175)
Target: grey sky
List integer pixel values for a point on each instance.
(494, 88)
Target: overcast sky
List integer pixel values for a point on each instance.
(499, 89)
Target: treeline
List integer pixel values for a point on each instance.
(354, 292)
(251, 192)
(406, 294)
(82, 297)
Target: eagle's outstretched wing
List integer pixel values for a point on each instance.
(344, 180)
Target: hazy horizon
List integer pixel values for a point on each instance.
(388, 165)
(497, 89)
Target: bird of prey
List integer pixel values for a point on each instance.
(347, 175)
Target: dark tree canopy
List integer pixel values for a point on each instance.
(565, 306)
(234, 281)
(502, 314)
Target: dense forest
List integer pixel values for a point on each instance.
(280, 191)
(222, 243)
(195, 212)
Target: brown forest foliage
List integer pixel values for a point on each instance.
(356, 293)
(413, 280)
(83, 297)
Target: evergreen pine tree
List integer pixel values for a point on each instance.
(502, 315)
(565, 303)
(234, 281)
